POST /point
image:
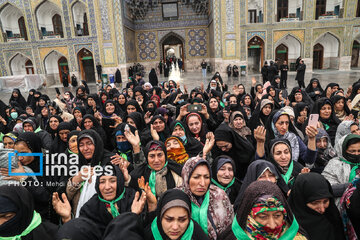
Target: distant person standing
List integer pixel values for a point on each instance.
(74, 82)
(180, 63)
(297, 62)
(153, 79)
(118, 78)
(264, 72)
(272, 71)
(160, 67)
(284, 68)
(99, 70)
(131, 71)
(65, 78)
(166, 70)
(300, 75)
(203, 68)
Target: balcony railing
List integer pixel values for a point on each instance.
(15, 38)
(295, 19)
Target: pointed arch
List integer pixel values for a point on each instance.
(170, 35)
(293, 44)
(17, 64)
(256, 53)
(45, 12)
(86, 64)
(79, 12)
(13, 22)
(331, 50)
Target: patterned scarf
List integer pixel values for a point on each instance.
(259, 231)
(344, 205)
(178, 155)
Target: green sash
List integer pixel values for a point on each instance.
(288, 235)
(199, 214)
(35, 222)
(114, 211)
(353, 169)
(186, 236)
(152, 179)
(287, 176)
(221, 186)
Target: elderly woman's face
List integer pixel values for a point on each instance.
(282, 124)
(107, 187)
(239, 123)
(172, 144)
(156, 159)
(270, 219)
(267, 176)
(199, 180)
(225, 174)
(159, 125)
(8, 143)
(282, 154)
(175, 222)
(22, 147)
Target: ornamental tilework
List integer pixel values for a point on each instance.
(197, 42)
(337, 32)
(105, 20)
(147, 45)
(66, 18)
(356, 32)
(17, 3)
(308, 45)
(230, 13)
(217, 27)
(298, 34)
(179, 32)
(250, 35)
(119, 34)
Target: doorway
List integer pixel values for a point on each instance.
(281, 53)
(22, 28)
(355, 54)
(318, 56)
(173, 46)
(63, 69)
(255, 54)
(29, 67)
(86, 63)
(58, 30)
(320, 8)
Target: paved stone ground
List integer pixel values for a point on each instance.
(193, 80)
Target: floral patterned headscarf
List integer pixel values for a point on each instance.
(266, 203)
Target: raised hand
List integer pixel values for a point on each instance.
(253, 81)
(124, 169)
(133, 139)
(154, 133)
(260, 134)
(209, 144)
(150, 198)
(147, 117)
(62, 208)
(138, 203)
(204, 111)
(311, 131)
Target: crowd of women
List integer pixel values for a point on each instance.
(162, 162)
